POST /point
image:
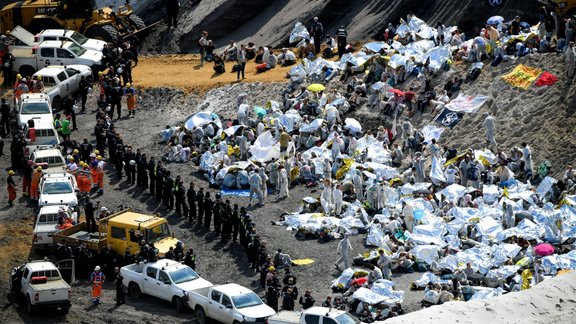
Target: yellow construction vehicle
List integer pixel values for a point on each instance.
(78, 15)
(562, 7)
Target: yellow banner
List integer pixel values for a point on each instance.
(522, 76)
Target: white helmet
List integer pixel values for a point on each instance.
(132, 162)
(104, 209)
(97, 268)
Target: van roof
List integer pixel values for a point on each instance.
(60, 44)
(135, 219)
(56, 32)
(52, 209)
(41, 265)
(46, 152)
(34, 97)
(53, 70)
(43, 122)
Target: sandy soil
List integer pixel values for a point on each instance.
(185, 72)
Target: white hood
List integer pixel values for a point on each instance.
(94, 45)
(194, 284)
(257, 311)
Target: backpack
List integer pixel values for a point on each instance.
(473, 173)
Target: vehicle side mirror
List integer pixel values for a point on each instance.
(167, 282)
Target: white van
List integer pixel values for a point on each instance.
(46, 135)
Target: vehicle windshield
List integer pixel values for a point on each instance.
(34, 108)
(57, 188)
(346, 319)
(79, 38)
(77, 49)
(246, 300)
(183, 275)
(157, 233)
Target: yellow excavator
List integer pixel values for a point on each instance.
(563, 7)
(78, 15)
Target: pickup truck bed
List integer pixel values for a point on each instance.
(50, 285)
(22, 52)
(202, 291)
(285, 317)
(77, 235)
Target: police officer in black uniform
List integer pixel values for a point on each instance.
(168, 191)
(152, 169)
(200, 202)
(218, 210)
(130, 167)
(190, 259)
(191, 196)
(235, 222)
(160, 181)
(142, 173)
(226, 221)
(180, 195)
(208, 209)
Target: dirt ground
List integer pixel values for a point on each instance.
(182, 71)
(217, 262)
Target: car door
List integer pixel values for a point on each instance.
(64, 85)
(226, 309)
(64, 57)
(66, 268)
(163, 286)
(73, 80)
(149, 281)
(46, 57)
(214, 306)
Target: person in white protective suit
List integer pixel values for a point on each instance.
(418, 164)
(327, 169)
(264, 182)
(352, 145)
(243, 114)
(326, 197)
(490, 124)
(273, 169)
(343, 250)
(337, 146)
(255, 186)
(384, 264)
(408, 215)
(358, 184)
(244, 146)
(372, 195)
(527, 158)
(283, 182)
(332, 115)
(337, 200)
(381, 198)
(407, 130)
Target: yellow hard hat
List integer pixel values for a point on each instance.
(271, 268)
(128, 85)
(39, 168)
(99, 157)
(39, 77)
(71, 158)
(18, 76)
(96, 152)
(100, 73)
(11, 172)
(76, 151)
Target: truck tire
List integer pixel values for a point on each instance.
(65, 310)
(30, 309)
(26, 71)
(56, 104)
(180, 304)
(137, 22)
(103, 32)
(200, 315)
(134, 290)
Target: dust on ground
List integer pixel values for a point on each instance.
(185, 72)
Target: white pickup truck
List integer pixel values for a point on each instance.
(316, 315)
(30, 39)
(60, 81)
(166, 279)
(47, 225)
(49, 158)
(228, 304)
(58, 189)
(33, 106)
(29, 59)
(41, 285)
